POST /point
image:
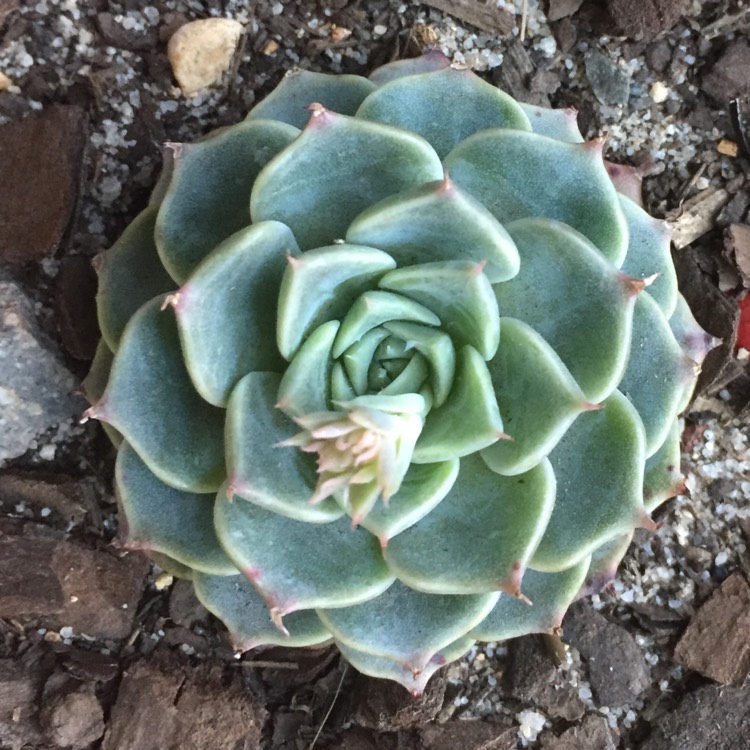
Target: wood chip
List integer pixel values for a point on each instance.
(717, 640)
(484, 15)
(271, 47)
(200, 52)
(737, 243)
(5, 82)
(728, 148)
(698, 216)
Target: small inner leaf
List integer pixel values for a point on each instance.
(373, 308)
(468, 421)
(321, 285)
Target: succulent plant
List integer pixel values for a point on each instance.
(391, 362)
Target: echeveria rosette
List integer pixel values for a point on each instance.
(382, 367)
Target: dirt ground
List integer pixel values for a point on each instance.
(99, 649)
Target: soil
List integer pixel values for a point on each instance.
(101, 649)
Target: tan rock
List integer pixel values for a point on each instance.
(5, 82)
(200, 52)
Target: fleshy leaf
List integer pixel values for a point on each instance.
(358, 357)
(376, 307)
(407, 626)
(423, 487)
(321, 285)
(538, 398)
(468, 421)
(663, 478)
(338, 167)
(459, 294)
(550, 595)
(163, 519)
(378, 666)
(242, 609)
(431, 60)
(298, 89)
(151, 400)
(481, 534)
(437, 222)
(426, 104)
(315, 566)
(130, 273)
(649, 254)
(436, 347)
(209, 194)
(305, 384)
(604, 562)
(657, 374)
(578, 301)
(278, 478)
(560, 124)
(599, 469)
(517, 175)
(222, 312)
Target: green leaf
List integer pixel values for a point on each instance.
(537, 395)
(130, 273)
(663, 478)
(357, 359)
(407, 626)
(162, 519)
(433, 59)
(437, 349)
(281, 479)
(408, 380)
(578, 301)
(151, 400)
(459, 294)
(517, 175)
(657, 374)
(599, 469)
(480, 536)
(289, 100)
(376, 307)
(242, 609)
(427, 104)
(649, 253)
(335, 169)
(604, 562)
(223, 311)
(305, 384)
(297, 565)
(550, 595)
(209, 195)
(95, 382)
(468, 421)
(423, 487)
(560, 124)
(378, 666)
(437, 222)
(322, 285)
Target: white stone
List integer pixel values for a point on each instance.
(200, 52)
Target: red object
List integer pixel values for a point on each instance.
(743, 329)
